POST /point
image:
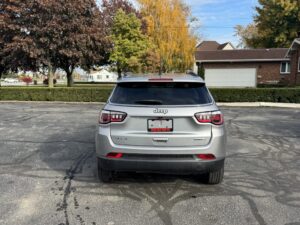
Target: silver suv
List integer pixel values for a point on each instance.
(161, 124)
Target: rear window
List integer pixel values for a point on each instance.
(174, 93)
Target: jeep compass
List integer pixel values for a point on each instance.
(162, 124)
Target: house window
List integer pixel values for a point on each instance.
(107, 76)
(285, 67)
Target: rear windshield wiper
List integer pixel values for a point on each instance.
(149, 102)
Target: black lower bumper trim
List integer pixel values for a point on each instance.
(178, 167)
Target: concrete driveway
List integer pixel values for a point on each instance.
(48, 173)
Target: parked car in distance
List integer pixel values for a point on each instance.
(11, 80)
(163, 124)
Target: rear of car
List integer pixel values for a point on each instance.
(164, 125)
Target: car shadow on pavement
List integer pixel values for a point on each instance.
(73, 155)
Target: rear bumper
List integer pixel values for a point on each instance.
(105, 145)
(161, 166)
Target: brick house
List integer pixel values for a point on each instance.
(248, 67)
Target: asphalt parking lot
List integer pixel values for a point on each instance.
(48, 173)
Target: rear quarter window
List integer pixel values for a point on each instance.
(161, 93)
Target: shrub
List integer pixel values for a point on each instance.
(284, 95)
(26, 80)
(55, 94)
(279, 85)
(101, 94)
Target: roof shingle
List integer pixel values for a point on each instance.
(242, 54)
(208, 46)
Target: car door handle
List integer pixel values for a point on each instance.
(161, 139)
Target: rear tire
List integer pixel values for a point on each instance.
(106, 176)
(215, 177)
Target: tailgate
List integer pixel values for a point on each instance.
(183, 132)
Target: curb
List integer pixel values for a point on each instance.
(56, 102)
(260, 104)
(225, 104)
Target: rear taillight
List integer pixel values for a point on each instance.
(206, 156)
(114, 155)
(104, 117)
(107, 117)
(215, 118)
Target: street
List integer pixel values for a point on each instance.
(48, 173)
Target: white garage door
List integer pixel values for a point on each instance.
(245, 77)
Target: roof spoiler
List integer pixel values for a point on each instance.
(192, 73)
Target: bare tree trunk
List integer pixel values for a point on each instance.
(70, 79)
(160, 67)
(119, 72)
(1, 73)
(69, 72)
(50, 76)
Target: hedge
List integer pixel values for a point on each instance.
(56, 94)
(285, 95)
(100, 94)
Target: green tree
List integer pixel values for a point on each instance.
(109, 8)
(129, 44)
(247, 35)
(277, 23)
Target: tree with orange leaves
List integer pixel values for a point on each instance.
(170, 33)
